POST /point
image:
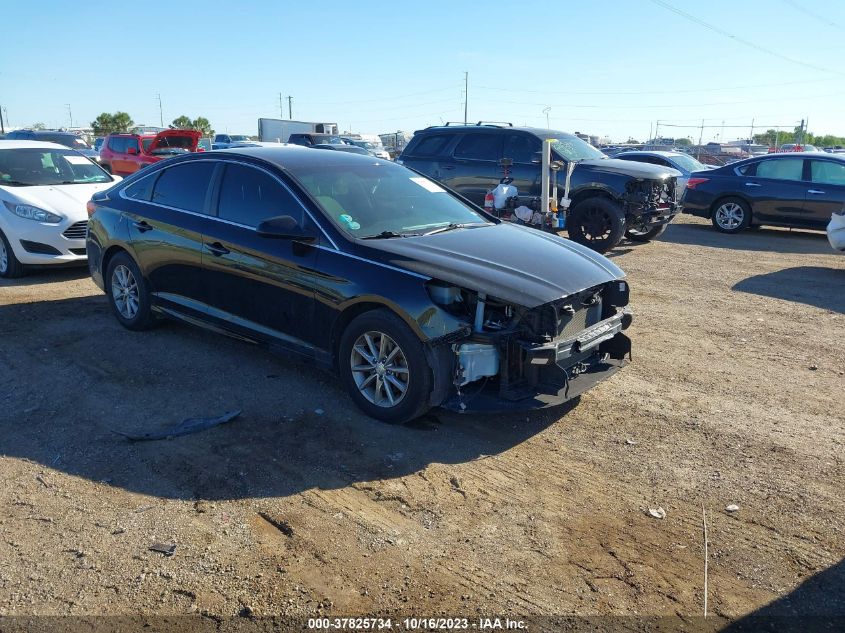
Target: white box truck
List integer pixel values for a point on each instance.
(279, 130)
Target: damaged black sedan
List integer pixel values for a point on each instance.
(414, 296)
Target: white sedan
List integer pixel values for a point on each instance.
(44, 189)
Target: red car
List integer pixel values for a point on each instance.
(125, 154)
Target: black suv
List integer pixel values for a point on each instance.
(611, 199)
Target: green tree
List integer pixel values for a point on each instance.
(683, 141)
(37, 126)
(201, 124)
(112, 123)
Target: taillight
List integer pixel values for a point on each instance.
(692, 183)
(91, 206)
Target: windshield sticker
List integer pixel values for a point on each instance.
(428, 185)
(77, 160)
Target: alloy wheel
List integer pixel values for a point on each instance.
(729, 216)
(124, 292)
(4, 257)
(380, 369)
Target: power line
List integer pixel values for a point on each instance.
(736, 38)
(816, 16)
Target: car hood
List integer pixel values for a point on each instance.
(160, 140)
(516, 264)
(66, 200)
(629, 168)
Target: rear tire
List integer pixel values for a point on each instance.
(731, 215)
(10, 267)
(383, 367)
(597, 223)
(128, 294)
(635, 235)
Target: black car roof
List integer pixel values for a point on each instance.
(536, 131)
(293, 156)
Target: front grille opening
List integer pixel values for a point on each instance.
(76, 231)
(78, 251)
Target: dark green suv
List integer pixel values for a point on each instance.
(611, 199)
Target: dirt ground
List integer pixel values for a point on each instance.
(303, 506)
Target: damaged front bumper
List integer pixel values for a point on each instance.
(534, 375)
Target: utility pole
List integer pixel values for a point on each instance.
(290, 107)
(281, 109)
(700, 140)
(2, 125)
(160, 111)
(546, 112)
(752, 130)
(466, 95)
(69, 114)
(656, 131)
(650, 129)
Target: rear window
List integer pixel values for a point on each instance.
(184, 186)
(479, 147)
(433, 145)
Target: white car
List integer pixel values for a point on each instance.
(836, 231)
(44, 189)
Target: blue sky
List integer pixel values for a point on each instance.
(602, 66)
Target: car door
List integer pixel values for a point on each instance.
(476, 165)
(259, 286)
(166, 222)
(524, 150)
(826, 191)
(776, 189)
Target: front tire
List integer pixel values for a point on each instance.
(645, 234)
(128, 294)
(10, 266)
(597, 223)
(383, 367)
(731, 215)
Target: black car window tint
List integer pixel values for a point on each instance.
(184, 186)
(522, 148)
(140, 189)
(827, 172)
(431, 145)
(781, 169)
(249, 195)
(479, 147)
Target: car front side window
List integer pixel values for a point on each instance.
(248, 196)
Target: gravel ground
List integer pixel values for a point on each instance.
(303, 506)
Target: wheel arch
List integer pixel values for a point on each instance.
(354, 310)
(108, 255)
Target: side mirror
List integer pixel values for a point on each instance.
(283, 227)
(132, 151)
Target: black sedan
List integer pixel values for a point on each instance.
(799, 190)
(413, 296)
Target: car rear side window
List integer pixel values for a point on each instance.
(433, 145)
(781, 169)
(140, 189)
(827, 172)
(249, 195)
(479, 147)
(184, 186)
(117, 144)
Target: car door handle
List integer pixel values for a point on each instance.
(142, 226)
(815, 192)
(217, 249)
(753, 184)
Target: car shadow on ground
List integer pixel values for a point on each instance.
(817, 604)
(77, 379)
(761, 239)
(48, 275)
(812, 285)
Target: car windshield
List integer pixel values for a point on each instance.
(68, 140)
(147, 142)
(376, 199)
(687, 163)
(573, 148)
(235, 138)
(24, 167)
